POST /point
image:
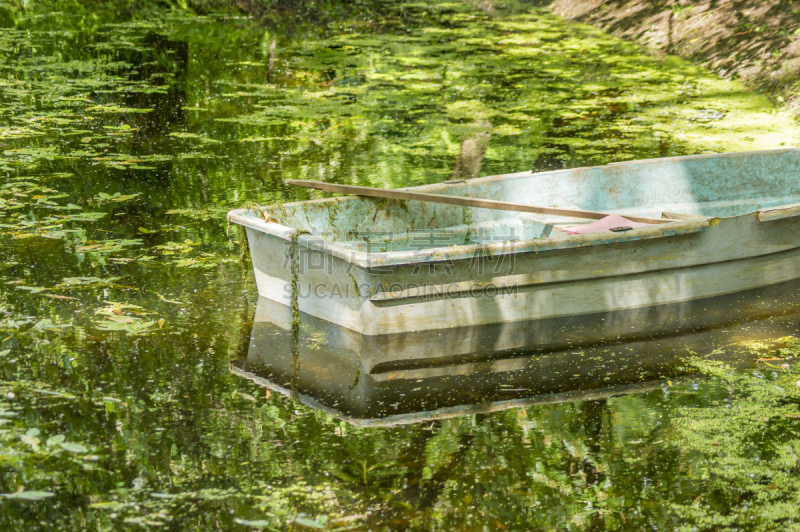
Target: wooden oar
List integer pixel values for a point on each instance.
(460, 200)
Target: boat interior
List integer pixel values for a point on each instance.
(676, 188)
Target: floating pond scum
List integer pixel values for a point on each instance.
(380, 266)
(411, 377)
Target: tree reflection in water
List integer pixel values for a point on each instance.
(126, 135)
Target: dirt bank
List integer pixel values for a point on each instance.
(756, 41)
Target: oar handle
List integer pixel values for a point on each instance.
(460, 200)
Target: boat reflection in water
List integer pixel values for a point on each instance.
(409, 377)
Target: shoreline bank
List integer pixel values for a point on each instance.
(753, 41)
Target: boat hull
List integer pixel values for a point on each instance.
(549, 277)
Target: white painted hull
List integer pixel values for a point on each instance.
(552, 276)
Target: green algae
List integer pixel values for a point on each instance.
(741, 451)
(244, 251)
(294, 269)
(124, 142)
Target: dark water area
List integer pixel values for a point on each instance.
(129, 315)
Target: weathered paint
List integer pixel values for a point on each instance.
(736, 228)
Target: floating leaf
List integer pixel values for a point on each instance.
(193, 136)
(30, 440)
(28, 495)
(109, 505)
(116, 198)
(309, 523)
(112, 108)
(125, 324)
(245, 396)
(55, 440)
(163, 495)
(47, 323)
(259, 523)
(80, 282)
(34, 289)
(73, 447)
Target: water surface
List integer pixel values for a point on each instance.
(123, 143)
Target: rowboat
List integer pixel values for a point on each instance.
(387, 380)
(712, 225)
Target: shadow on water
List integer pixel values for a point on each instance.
(512, 365)
(164, 63)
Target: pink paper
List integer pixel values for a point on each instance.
(603, 224)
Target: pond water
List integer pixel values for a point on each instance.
(125, 299)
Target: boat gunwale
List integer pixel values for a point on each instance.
(369, 260)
